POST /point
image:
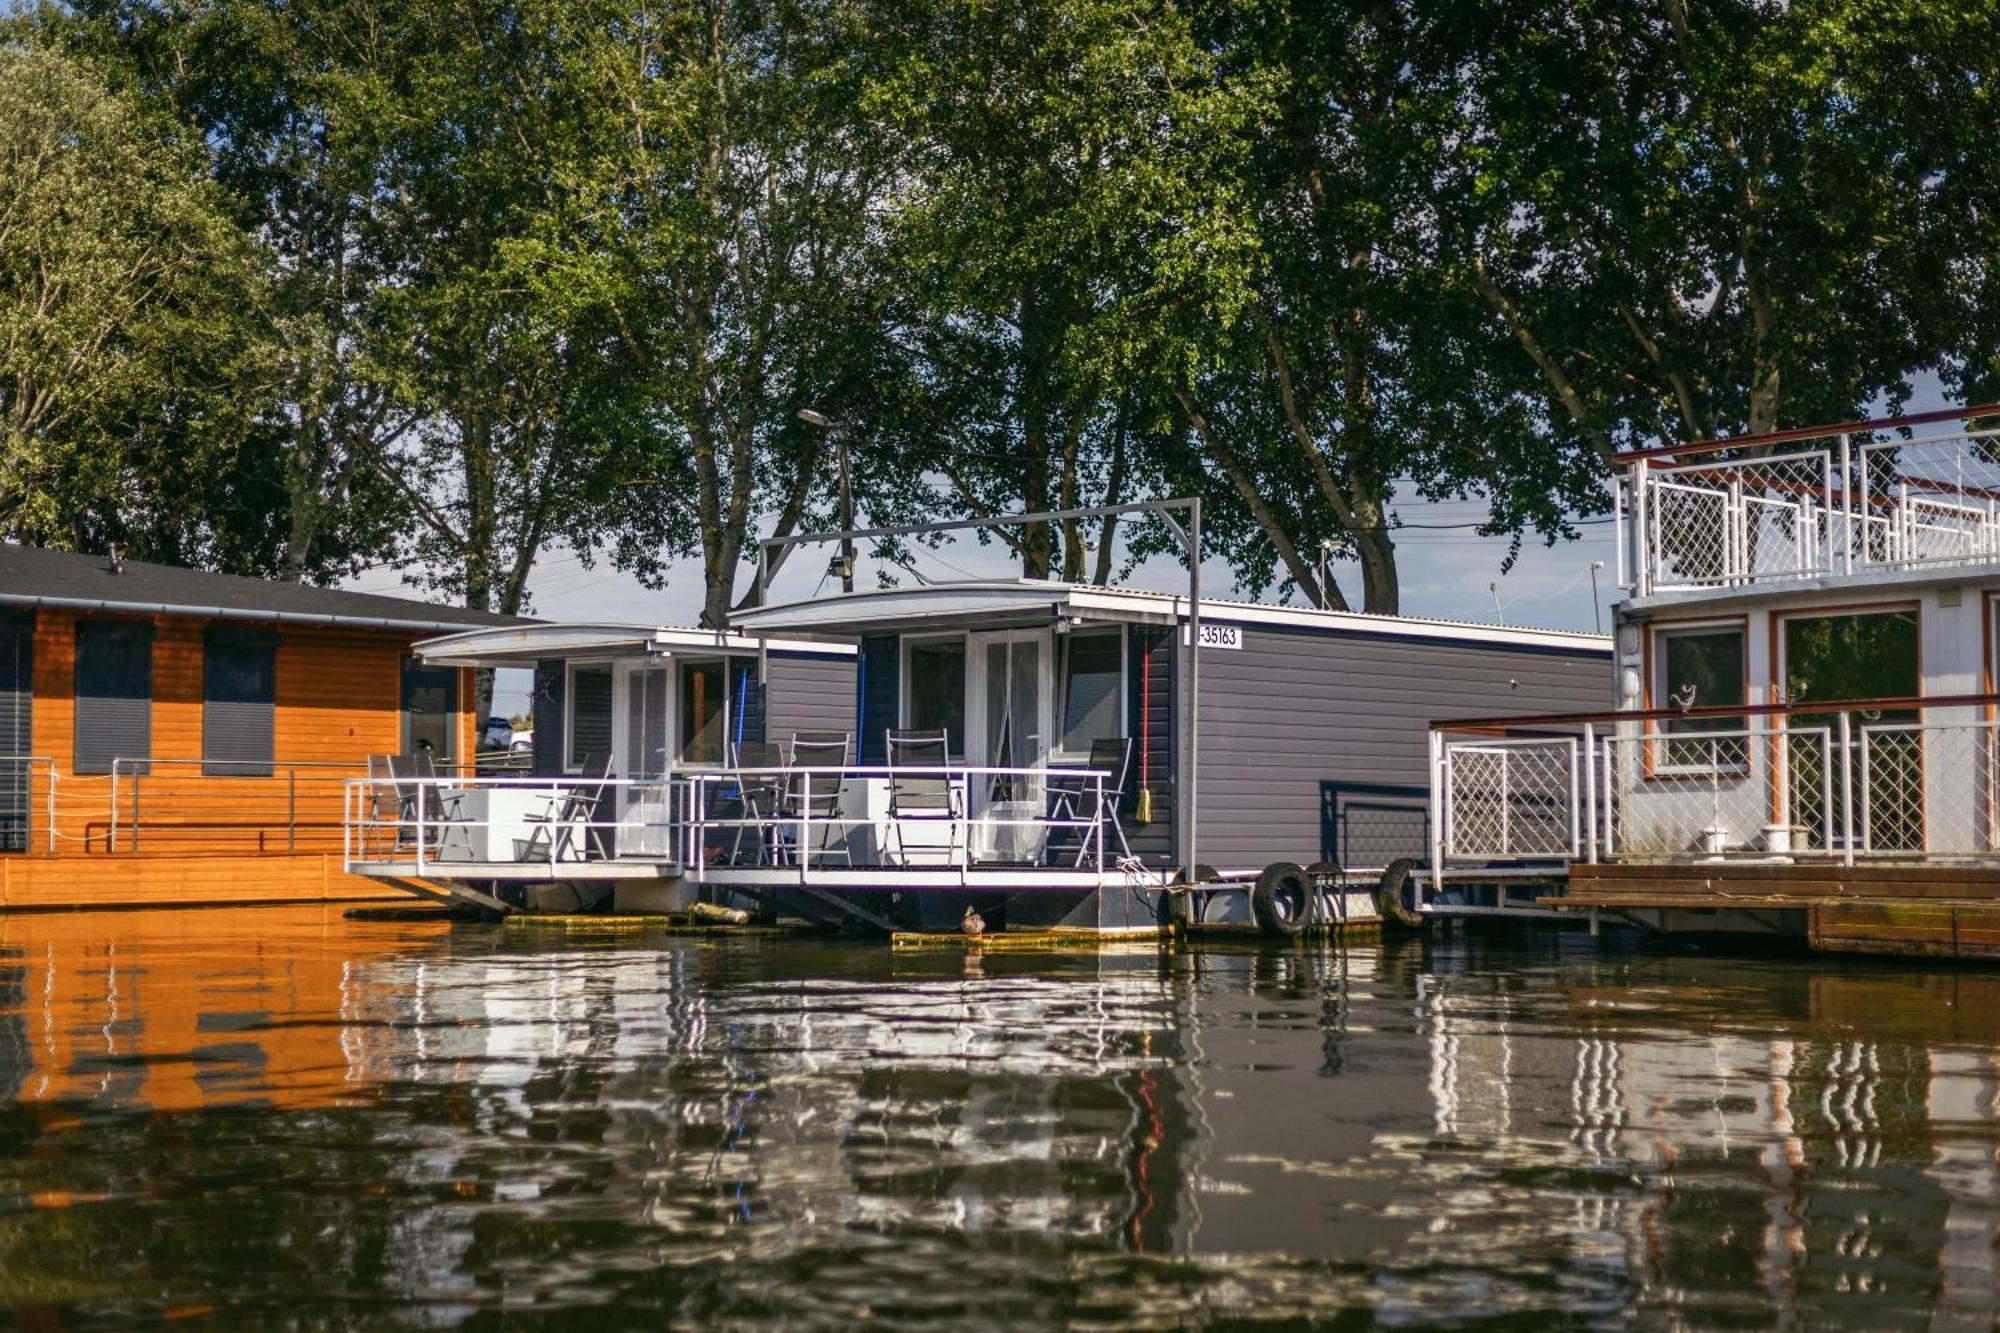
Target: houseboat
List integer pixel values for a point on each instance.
(895, 758)
(631, 723)
(176, 738)
(1803, 736)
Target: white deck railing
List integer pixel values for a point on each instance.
(957, 818)
(1743, 513)
(1901, 779)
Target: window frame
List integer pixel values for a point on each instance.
(1122, 714)
(1661, 733)
(268, 640)
(677, 719)
(905, 642)
(149, 633)
(570, 668)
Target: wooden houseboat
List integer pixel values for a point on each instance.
(1803, 736)
(175, 738)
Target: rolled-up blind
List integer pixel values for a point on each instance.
(17, 743)
(239, 702)
(114, 693)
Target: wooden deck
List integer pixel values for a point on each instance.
(1909, 910)
(30, 883)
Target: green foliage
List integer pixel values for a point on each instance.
(136, 358)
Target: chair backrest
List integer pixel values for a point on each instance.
(821, 749)
(919, 749)
(385, 798)
(758, 786)
(1112, 756)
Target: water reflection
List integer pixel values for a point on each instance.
(285, 1117)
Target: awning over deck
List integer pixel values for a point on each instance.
(995, 604)
(524, 645)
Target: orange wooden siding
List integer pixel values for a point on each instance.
(338, 700)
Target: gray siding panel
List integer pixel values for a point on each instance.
(808, 692)
(1315, 746)
(17, 704)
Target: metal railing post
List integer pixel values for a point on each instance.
(1846, 789)
(1642, 532)
(52, 808)
(1589, 794)
(1847, 503)
(1440, 801)
(422, 799)
(805, 824)
(135, 800)
(111, 838)
(292, 809)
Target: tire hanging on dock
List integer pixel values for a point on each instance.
(1282, 900)
(1389, 894)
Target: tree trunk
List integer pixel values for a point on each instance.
(1253, 499)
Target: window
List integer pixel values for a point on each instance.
(1092, 689)
(1871, 656)
(702, 712)
(1702, 668)
(934, 689)
(114, 693)
(239, 697)
(589, 731)
(430, 710)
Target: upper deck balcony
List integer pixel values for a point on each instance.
(1910, 495)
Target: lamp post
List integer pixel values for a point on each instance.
(836, 432)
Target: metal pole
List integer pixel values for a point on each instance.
(1846, 789)
(1589, 794)
(846, 513)
(292, 809)
(1189, 836)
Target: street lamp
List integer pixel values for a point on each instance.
(837, 432)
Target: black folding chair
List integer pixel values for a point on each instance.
(1077, 799)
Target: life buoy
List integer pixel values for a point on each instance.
(1282, 899)
(1389, 894)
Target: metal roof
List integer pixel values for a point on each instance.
(998, 603)
(73, 581)
(524, 645)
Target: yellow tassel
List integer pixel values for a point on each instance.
(1144, 814)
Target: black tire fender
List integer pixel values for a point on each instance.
(1282, 899)
(1389, 894)
(1176, 911)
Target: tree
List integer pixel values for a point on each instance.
(136, 357)
(1329, 357)
(719, 217)
(1049, 148)
(1696, 219)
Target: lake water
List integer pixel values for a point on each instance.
(284, 1118)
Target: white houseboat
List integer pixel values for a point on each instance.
(1803, 736)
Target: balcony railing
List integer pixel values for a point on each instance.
(1762, 510)
(1901, 779)
(795, 821)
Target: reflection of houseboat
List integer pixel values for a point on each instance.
(170, 737)
(895, 756)
(1804, 732)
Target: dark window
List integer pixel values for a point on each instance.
(114, 693)
(589, 718)
(1093, 666)
(239, 700)
(936, 690)
(702, 712)
(17, 744)
(1703, 668)
(430, 710)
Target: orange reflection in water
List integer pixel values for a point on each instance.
(188, 1010)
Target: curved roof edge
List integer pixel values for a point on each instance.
(522, 645)
(848, 615)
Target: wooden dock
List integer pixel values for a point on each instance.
(1892, 910)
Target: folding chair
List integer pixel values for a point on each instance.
(758, 794)
(578, 803)
(924, 796)
(1075, 797)
(818, 801)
